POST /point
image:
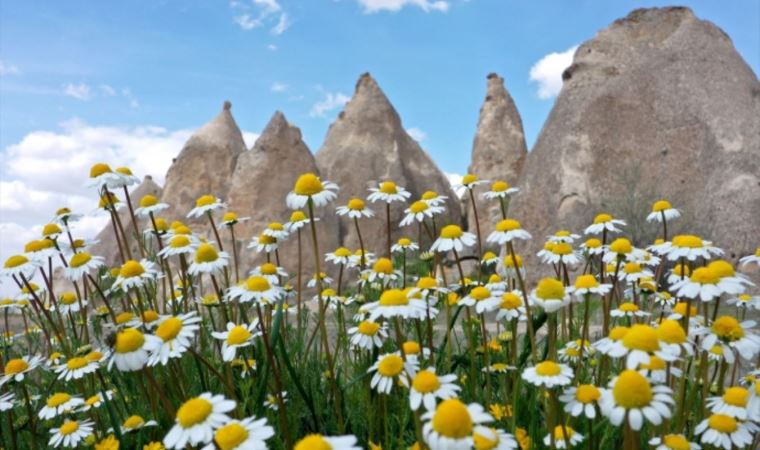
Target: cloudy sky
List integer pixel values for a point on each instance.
(127, 82)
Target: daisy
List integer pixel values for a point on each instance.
(134, 423)
(382, 271)
(179, 244)
(16, 369)
(637, 346)
(109, 202)
(498, 368)
(175, 334)
(561, 252)
(6, 401)
(418, 212)
(724, 431)
(40, 250)
(485, 438)
(427, 286)
(57, 404)
(663, 211)
(727, 332)
(197, 419)
(368, 335)
(581, 400)
(276, 230)
(548, 374)
(236, 336)
(341, 255)
(18, 265)
(691, 247)
(130, 350)
(733, 403)
(632, 272)
(310, 187)
(68, 303)
(680, 309)
(272, 403)
(388, 192)
(702, 284)
(395, 303)
(469, 181)
(425, 386)
(95, 401)
(605, 222)
(657, 370)
(205, 204)
(208, 260)
(483, 299)
(413, 350)
(318, 441)
(247, 434)
(230, 219)
(745, 301)
(316, 279)
(453, 238)
(270, 272)
(571, 352)
(631, 396)
(730, 282)
(297, 221)
(550, 295)
(64, 215)
(355, 209)
(247, 366)
(356, 259)
(264, 243)
(134, 274)
(76, 368)
(101, 175)
(150, 204)
(560, 433)
(511, 306)
(70, 433)
(256, 288)
(125, 178)
(432, 198)
(500, 189)
(621, 250)
(509, 266)
(673, 442)
(506, 231)
(387, 370)
(404, 245)
(749, 259)
(673, 338)
(451, 425)
(628, 309)
(593, 247)
(588, 285)
(81, 264)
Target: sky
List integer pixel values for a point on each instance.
(127, 82)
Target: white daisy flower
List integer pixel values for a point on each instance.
(96, 401)
(16, 369)
(276, 230)
(368, 335)
(745, 301)
(507, 230)
(638, 344)
(76, 368)
(550, 294)
(621, 250)
(657, 370)
(432, 198)
(404, 245)
(662, 211)
(355, 209)
(247, 434)
(179, 244)
(604, 222)
(101, 175)
(588, 285)
(425, 386)
(730, 281)
(732, 335)
(548, 374)
(702, 284)
(208, 260)
(68, 303)
(264, 243)
(593, 247)
(500, 189)
(130, 350)
(326, 280)
(751, 259)
(511, 306)
(40, 250)
(691, 247)
(125, 178)
(80, 264)
(673, 338)
(559, 252)
(418, 211)
(150, 204)
(493, 439)
(734, 403)
(7, 401)
(297, 221)
(628, 309)
(630, 395)
(382, 272)
(309, 186)
(632, 272)
(256, 288)
(453, 238)
(388, 192)
(562, 435)
(271, 272)
(271, 401)
(427, 286)
(175, 334)
(236, 336)
(673, 442)
(563, 236)
(64, 216)
(206, 204)
(341, 255)
(230, 219)
(482, 299)
(197, 419)
(388, 368)
(18, 265)
(450, 426)
(581, 400)
(395, 303)
(134, 274)
(724, 431)
(70, 433)
(59, 403)
(134, 423)
(318, 441)
(356, 259)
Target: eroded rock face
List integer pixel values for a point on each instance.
(367, 145)
(498, 150)
(657, 105)
(262, 179)
(204, 166)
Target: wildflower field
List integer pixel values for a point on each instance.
(439, 340)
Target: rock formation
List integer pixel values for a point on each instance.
(498, 150)
(657, 105)
(204, 166)
(262, 179)
(367, 145)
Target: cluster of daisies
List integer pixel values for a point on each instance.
(617, 347)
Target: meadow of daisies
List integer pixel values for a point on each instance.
(430, 342)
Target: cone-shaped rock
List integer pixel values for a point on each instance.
(657, 105)
(108, 247)
(367, 145)
(498, 150)
(262, 179)
(204, 166)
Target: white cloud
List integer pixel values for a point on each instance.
(329, 103)
(250, 138)
(260, 13)
(373, 6)
(547, 72)
(416, 134)
(455, 180)
(247, 22)
(107, 90)
(282, 24)
(279, 87)
(133, 102)
(272, 48)
(79, 91)
(8, 69)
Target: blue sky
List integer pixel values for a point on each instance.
(126, 82)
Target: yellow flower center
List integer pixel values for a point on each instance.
(499, 186)
(230, 436)
(128, 340)
(161, 224)
(451, 232)
(427, 283)
(404, 242)
(238, 335)
(671, 331)
(481, 442)
(676, 442)
(388, 187)
(632, 390)
(383, 265)
(412, 348)
(69, 427)
(641, 337)
(425, 382)
(510, 300)
(99, 169)
(276, 226)
(15, 366)
(593, 243)
(393, 297)
(124, 317)
(632, 267)
(507, 225)
(76, 363)
(79, 259)
(548, 369)
(587, 393)
(723, 423)
(94, 356)
(313, 442)
(562, 248)
(681, 308)
(206, 253)
(268, 269)
(257, 284)
(368, 328)
(356, 204)
(661, 205)
(68, 298)
(716, 350)
(728, 328)
(736, 396)
(133, 422)
(229, 216)
(621, 246)
(722, 268)
(602, 218)
(704, 275)
(628, 307)
(452, 419)
(342, 252)
(586, 282)
(179, 241)
(36, 246)
(550, 289)
(58, 399)
(429, 195)
(480, 293)
(264, 239)
(559, 432)
(297, 216)
(183, 229)
(131, 269)
(655, 363)
(418, 207)
(15, 261)
(687, 241)
(92, 400)
(169, 329)
(390, 366)
(148, 200)
(193, 412)
(510, 262)
(469, 179)
(205, 200)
